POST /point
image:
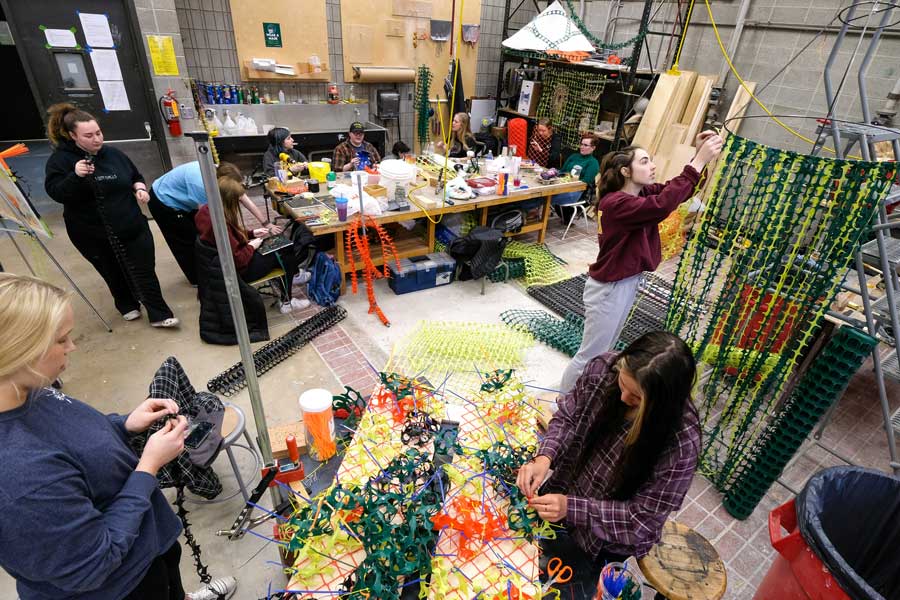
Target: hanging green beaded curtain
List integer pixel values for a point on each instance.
(767, 255)
(570, 98)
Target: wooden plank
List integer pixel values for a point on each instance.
(278, 433)
(738, 107)
(656, 109)
(698, 104)
(681, 155)
(392, 23)
(673, 135)
(303, 33)
(675, 106)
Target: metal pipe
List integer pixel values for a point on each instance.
(864, 66)
(889, 108)
(232, 287)
(829, 90)
(581, 9)
(733, 43)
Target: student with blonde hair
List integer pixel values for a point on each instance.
(81, 516)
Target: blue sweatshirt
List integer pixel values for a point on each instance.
(76, 520)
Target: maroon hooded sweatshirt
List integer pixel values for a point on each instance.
(627, 226)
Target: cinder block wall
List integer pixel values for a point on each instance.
(774, 31)
(205, 46)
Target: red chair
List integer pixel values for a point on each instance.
(517, 135)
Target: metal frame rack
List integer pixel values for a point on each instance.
(630, 76)
(883, 252)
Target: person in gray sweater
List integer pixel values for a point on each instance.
(81, 516)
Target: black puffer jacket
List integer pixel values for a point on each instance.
(216, 324)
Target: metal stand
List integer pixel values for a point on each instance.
(223, 247)
(23, 230)
(884, 250)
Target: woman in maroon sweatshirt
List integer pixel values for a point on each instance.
(250, 264)
(630, 208)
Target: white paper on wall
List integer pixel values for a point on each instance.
(96, 30)
(114, 95)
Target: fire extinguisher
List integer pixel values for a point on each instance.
(168, 107)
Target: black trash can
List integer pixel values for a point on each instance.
(850, 517)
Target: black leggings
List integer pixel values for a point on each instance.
(179, 231)
(163, 580)
(140, 259)
(585, 570)
(263, 264)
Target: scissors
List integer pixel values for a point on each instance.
(558, 573)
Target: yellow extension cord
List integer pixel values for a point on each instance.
(759, 103)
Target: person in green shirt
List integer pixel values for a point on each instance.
(584, 158)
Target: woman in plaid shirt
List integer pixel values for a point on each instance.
(623, 447)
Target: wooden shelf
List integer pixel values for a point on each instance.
(257, 75)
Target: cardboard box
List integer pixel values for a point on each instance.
(529, 98)
(422, 272)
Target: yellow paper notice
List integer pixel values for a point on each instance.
(162, 55)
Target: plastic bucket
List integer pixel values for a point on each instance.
(318, 421)
(319, 170)
(396, 172)
(796, 573)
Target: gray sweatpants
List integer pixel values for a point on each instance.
(606, 306)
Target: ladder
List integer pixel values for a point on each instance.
(882, 252)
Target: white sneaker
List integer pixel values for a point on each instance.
(302, 277)
(215, 589)
(132, 315)
(167, 323)
(294, 304)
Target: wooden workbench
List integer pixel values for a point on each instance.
(412, 245)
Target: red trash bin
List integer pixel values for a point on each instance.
(796, 573)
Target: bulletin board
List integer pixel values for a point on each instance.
(304, 32)
(379, 33)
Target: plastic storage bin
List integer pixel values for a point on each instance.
(421, 272)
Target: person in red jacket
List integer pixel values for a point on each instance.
(250, 264)
(629, 210)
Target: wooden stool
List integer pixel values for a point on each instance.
(684, 565)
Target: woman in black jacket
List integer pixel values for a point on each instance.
(281, 142)
(100, 188)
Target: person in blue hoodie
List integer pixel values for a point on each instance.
(81, 516)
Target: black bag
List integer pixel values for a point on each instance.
(478, 253)
(510, 221)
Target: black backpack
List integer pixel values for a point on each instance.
(478, 253)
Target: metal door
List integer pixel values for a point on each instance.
(121, 99)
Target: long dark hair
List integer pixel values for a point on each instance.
(664, 368)
(276, 137)
(610, 178)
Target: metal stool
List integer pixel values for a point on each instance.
(233, 427)
(684, 565)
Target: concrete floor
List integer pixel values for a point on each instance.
(111, 371)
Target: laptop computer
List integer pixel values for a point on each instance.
(274, 244)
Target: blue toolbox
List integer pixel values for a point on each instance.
(421, 272)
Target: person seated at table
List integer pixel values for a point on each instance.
(545, 145)
(623, 447)
(175, 198)
(347, 154)
(250, 264)
(461, 138)
(589, 168)
(399, 152)
(281, 142)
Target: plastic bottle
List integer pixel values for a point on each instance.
(334, 97)
(490, 155)
(281, 96)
